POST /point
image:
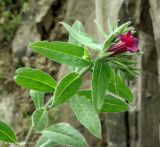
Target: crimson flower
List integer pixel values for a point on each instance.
(127, 43)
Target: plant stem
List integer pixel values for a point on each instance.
(29, 134)
(83, 72)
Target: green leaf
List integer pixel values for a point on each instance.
(112, 103)
(86, 114)
(86, 92)
(67, 87)
(118, 87)
(61, 134)
(37, 98)
(6, 133)
(40, 119)
(45, 141)
(61, 52)
(82, 37)
(100, 29)
(79, 27)
(34, 79)
(100, 82)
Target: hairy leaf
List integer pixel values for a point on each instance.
(82, 37)
(86, 114)
(61, 52)
(119, 87)
(37, 98)
(61, 134)
(34, 79)
(40, 119)
(100, 82)
(112, 103)
(66, 88)
(6, 133)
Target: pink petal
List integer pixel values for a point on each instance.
(133, 49)
(128, 35)
(135, 41)
(122, 37)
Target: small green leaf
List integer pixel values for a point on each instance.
(61, 134)
(112, 103)
(79, 27)
(86, 92)
(6, 133)
(45, 141)
(100, 82)
(86, 114)
(100, 29)
(67, 87)
(37, 98)
(34, 79)
(82, 37)
(40, 119)
(118, 87)
(61, 52)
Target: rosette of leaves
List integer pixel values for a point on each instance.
(109, 91)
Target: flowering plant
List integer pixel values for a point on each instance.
(109, 91)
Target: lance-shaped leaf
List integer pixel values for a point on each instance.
(86, 114)
(6, 133)
(40, 119)
(61, 134)
(79, 27)
(85, 92)
(67, 87)
(113, 103)
(119, 87)
(82, 37)
(61, 52)
(34, 79)
(37, 98)
(100, 82)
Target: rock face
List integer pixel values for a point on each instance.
(22, 38)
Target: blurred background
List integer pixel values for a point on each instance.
(25, 21)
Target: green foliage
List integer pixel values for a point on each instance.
(112, 103)
(62, 52)
(61, 134)
(119, 87)
(109, 92)
(82, 37)
(38, 98)
(40, 119)
(79, 28)
(6, 133)
(100, 82)
(66, 88)
(86, 114)
(35, 79)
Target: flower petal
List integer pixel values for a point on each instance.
(128, 35)
(133, 49)
(122, 37)
(135, 41)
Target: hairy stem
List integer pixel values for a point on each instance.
(29, 134)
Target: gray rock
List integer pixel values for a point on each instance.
(26, 34)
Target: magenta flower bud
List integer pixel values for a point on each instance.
(127, 43)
